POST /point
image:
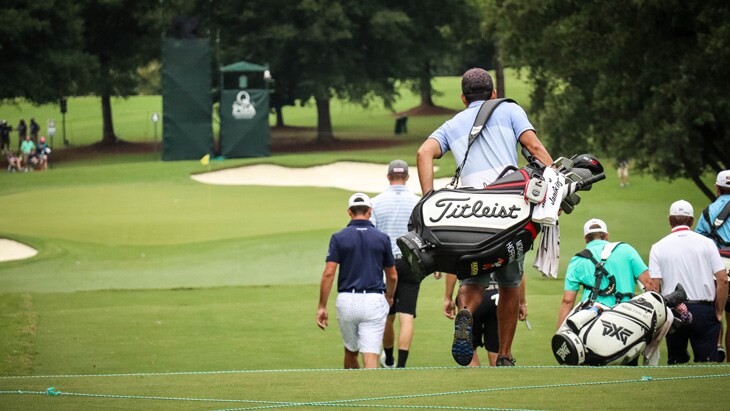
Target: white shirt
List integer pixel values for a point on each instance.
(391, 211)
(687, 258)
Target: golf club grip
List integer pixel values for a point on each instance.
(591, 180)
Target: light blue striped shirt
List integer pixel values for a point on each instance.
(391, 210)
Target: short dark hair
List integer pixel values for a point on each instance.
(359, 209)
(476, 84)
(677, 220)
(595, 236)
(723, 190)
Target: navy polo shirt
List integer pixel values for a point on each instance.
(362, 251)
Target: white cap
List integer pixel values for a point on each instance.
(681, 208)
(359, 199)
(602, 228)
(723, 178)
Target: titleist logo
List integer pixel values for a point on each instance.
(455, 208)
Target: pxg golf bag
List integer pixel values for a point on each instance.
(615, 336)
(469, 231)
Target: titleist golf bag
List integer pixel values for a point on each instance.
(618, 335)
(470, 231)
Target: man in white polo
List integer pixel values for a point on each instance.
(690, 259)
(364, 299)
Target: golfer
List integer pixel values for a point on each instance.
(362, 252)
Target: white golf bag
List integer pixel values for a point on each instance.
(614, 336)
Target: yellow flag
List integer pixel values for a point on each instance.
(205, 160)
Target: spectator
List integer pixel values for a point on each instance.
(34, 130)
(507, 126)
(721, 236)
(42, 151)
(607, 284)
(362, 252)
(14, 162)
(5, 130)
(27, 150)
(622, 168)
(391, 211)
(22, 132)
(687, 258)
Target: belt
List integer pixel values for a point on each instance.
(368, 291)
(703, 302)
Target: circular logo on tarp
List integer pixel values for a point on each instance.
(243, 108)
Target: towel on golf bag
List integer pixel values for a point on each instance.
(546, 212)
(547, 258)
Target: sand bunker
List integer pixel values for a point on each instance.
(12, 250)
(346, 175)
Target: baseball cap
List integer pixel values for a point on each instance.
(681, 208)
(398, 167)
(602, 228)
(723, 178)
(359, 199)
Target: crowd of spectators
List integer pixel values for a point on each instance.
(33, 150)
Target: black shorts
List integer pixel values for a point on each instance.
(406, 293)
(485, 331)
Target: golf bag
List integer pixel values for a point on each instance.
(469, 231)
(615, 336)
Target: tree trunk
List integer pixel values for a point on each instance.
(324, 120)
(279, 116)
(425, 85)
(108, 125)
(703, 187)
(499, 71)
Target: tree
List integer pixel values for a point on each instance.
(645, 79)
(121, 36)
(319, 49)
(41, 44)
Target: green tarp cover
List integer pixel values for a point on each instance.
(244, 123)
(187, 132)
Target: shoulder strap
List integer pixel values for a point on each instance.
(717, 223)
(485, 112)
(601, 272)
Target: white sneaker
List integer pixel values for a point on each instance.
(382, 361)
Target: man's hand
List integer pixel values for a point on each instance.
(449, 308)
(437, 275)
(522, 316)
(322, 318)
(389, 300)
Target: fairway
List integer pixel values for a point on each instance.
(151, 290)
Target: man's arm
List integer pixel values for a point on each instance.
(325, 286)
(566, 306)
(391, 281)
(429, 150)
(646, 281)
(657, 284)
(522, 316)
(720, 293)
(449, 306)
(529, 139)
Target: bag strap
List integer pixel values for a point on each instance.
(715, 225)
(483, 115)
(601, 272)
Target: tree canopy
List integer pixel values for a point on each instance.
(644, 80)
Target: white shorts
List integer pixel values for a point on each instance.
(362, 318)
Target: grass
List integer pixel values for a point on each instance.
(143, 271)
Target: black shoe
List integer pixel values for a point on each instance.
(461, 348)
(721, 354)
(505, 361)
